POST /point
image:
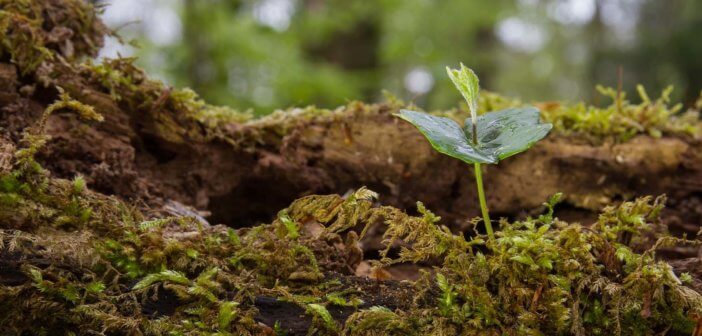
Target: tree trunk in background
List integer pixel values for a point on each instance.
(197, 46)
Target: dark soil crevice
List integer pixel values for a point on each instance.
(253, 202)
(241, 187)
(113, 251)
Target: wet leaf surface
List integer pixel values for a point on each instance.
(447, 137)
(500, 134)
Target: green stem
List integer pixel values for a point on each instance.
(483, 203)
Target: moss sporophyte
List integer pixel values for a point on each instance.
(487, 138)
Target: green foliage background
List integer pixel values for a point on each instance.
(333, 51)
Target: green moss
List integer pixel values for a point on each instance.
(322, 319)
(622, 119)
(211, 116)
(379, 321)
(93, 263)
(22, 41)
(29, 37)
(547, 276)
(619, 121)
(176, 113)
(116, 76)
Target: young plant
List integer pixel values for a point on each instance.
(487, 138)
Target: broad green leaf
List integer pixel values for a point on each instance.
(500, 134)
(508, 132)
(447, 137)
(466, 81)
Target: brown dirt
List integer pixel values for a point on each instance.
(358, 145)
(365, 146)
(151, 153)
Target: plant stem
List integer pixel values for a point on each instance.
(483, 203)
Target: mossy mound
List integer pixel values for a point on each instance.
(107, 178)
(36, 31)
(77, 260)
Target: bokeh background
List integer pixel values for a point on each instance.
(268, 54)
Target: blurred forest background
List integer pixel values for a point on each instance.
(268, 54)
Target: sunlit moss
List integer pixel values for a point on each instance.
(619, 121)
(622, 120)
(547, 276)
(92, 262)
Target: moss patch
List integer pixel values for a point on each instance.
(89, 262)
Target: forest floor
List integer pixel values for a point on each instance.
(131, 207)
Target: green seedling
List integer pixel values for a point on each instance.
(487, 138)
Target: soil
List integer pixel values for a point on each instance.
(150, 153)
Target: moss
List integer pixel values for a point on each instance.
(323, 321)
(21, 41)
(211, 116)
(336, 213)
(199, 265)
(379, 321)
(176, 113)
(80, 260)
(35, 31)
(71, 297)
(617, 122)
(116, 76)
(622, 120)
(547, 276)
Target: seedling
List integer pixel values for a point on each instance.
(487, 138)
